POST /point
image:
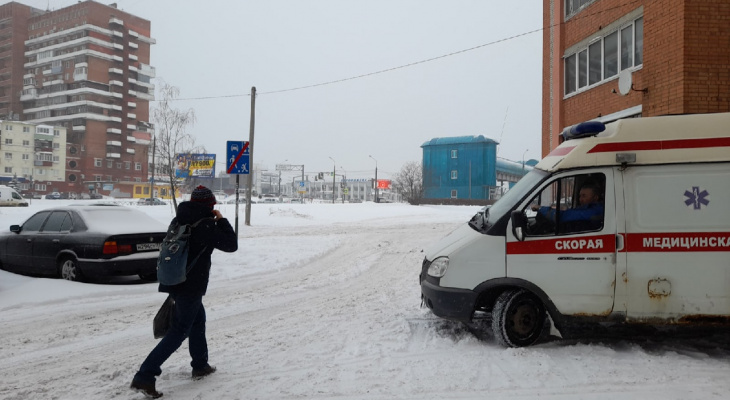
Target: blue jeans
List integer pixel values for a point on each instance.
(189, 322)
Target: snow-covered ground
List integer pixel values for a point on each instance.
(321, 301)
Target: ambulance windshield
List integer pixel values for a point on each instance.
(510, 199)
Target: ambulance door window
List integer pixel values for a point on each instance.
(568, 205)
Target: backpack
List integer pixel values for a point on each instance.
(172, 268)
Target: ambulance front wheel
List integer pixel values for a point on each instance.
(518, 318)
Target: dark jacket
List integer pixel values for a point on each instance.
(208, 235)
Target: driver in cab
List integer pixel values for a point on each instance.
(590, 209)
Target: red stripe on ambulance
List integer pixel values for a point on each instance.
(678, 242)
(660, 145)
(573, 245)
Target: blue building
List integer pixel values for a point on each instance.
(466, 167)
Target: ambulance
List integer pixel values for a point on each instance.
(655, 249)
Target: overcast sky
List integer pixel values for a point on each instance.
(484, 80)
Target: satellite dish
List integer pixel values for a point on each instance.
(624, 82)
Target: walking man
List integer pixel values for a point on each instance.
(214, 232)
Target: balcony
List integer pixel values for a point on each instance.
(113, 155)
(117, 34)
(130, 151)
(114, 130)
(133, 33)
(131, 139)
(117, 95)
(116, 107)
(113, 70)
(79, 128)
(133, 45)
(114, 20)
(118, 46)
(133, 57)
(116, 83)
(114, 143)
(132, 127)
(132, 104)
(132, 116)
(118, 58)
(145, 96)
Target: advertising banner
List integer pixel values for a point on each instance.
(383, 183)
(195, 166)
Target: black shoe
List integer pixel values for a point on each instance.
(148, 389)
(199, 373)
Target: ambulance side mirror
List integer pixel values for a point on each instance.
(519, 224)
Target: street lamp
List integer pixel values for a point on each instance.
(523, 161)
(334, 171)
(376, 178)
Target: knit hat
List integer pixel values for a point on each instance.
(203, 195)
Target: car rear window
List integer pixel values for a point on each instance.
(118, 220)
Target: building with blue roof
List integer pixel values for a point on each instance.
(466, 167)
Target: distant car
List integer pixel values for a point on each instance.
(53, 196)
(96, 196)
(151, 202)
(86, 242)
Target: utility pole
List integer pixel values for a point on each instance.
(249, 178)
(376, 178)
(152, 179)
(334, 172)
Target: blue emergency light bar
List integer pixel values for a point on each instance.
(582, 130)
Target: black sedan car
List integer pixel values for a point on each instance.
(84, 242)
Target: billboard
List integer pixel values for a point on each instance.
(384, 184)
(195, 166)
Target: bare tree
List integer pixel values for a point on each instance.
(409, 182)
(171, 137)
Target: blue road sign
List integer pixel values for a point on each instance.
(237, 157)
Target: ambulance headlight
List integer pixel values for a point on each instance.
(438, 267)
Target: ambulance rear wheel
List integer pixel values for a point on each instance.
(518, 318)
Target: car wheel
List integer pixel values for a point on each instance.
(68, 268)
(518, 318)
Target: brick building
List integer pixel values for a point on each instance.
(610, 59)
(87, 68)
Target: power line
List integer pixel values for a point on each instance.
(573, 19)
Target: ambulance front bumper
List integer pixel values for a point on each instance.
(449, 303)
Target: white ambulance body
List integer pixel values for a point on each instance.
(658, 254)
(9, 197)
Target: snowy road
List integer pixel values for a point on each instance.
(315, 308)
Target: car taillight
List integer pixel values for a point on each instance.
(112, 247)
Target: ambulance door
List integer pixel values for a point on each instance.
(572, 260)
(678, 241)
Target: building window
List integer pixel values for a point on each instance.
(109, 164)
(40, 187)
(8, 141)
(453, 194)
(26, 129)
(57, 145)
(8, 156)
(97, 178)
(454, 153)
(127, 165)
(8, 170)
(56, 159)
(26, 142)
(8, 127)
(97, 162)
(56, 132)
(454, 174)
(26, 157)
(605, 57)
(138, 166)
(572, 7)
(72, 178)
